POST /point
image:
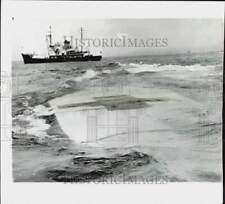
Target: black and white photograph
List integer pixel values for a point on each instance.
(114, 100)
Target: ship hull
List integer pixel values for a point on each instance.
(28, 59)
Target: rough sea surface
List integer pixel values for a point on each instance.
(148, 119)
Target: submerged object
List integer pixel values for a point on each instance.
(61, 53)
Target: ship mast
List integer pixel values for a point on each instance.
(81, 38)
(47, 44)
(50, 35)
(71, 41)
(49, 39)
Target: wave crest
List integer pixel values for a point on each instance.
(137, 68)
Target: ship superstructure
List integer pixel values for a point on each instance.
(62, 52)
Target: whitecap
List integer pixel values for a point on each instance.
(87, 75)
(36, 126)
(137, 68)
(106, 71)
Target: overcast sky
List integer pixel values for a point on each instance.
(183, 35)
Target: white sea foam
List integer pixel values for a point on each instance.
(36, 125)
(41, 110)
(121, 64)
(106, 71)
(87, 75)
(137, 68)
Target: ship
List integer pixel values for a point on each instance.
(61, 52)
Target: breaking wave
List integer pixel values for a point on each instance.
(35, 125)
(112, 65)
(137, 68)
(87, 75)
